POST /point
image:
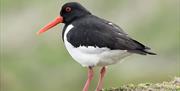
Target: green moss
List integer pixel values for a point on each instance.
(173, 85)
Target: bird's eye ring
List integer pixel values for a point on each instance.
(68, 9)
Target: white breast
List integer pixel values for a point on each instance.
(93, 56)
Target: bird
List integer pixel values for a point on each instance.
(93, 41)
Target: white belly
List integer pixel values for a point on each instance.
(93, 56)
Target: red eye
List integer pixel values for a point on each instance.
(68, 9)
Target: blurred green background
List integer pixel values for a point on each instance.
(41, 63)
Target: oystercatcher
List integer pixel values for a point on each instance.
(93, 41)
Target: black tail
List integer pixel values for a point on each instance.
(142, 52)
(148, 52)
(142, 49)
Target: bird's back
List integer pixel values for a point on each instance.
(97, 32)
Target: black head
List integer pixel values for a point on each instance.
(73, 10)
(69, 12)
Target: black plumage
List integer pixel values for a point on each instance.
(92, 41)
(90, 30)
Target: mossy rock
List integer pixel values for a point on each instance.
(173, 85)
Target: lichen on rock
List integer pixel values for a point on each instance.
(173, 85)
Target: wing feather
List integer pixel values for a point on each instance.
(94, 31)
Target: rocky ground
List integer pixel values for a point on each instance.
(173, 85)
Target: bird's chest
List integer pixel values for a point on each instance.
(86, 56)
(91, 55)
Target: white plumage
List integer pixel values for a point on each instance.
(93, 56)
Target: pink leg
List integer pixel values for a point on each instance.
(100, 83)
(90, 76)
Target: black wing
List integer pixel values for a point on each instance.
(93, 31)
(115, 27)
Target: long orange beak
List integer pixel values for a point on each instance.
(58, 20)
